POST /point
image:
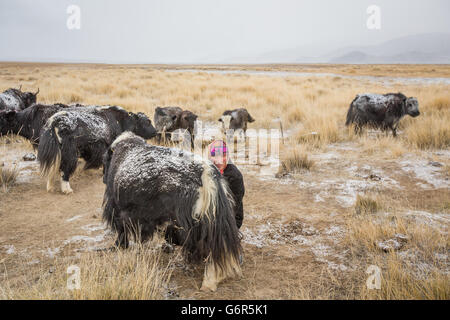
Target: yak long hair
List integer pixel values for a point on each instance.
(51, 151)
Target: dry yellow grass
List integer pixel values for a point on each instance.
(412, 273)
(387, 146)
(305, 104)
(135, 274)
(366, 204)
(295, 160)
(8, 176)
(431, 133)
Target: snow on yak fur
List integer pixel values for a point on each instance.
(380, 111)
(85, 133)
(28, 123)
(151, 186)
(15, 99)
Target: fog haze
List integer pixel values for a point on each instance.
(208, 31)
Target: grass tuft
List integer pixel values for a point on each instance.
(295, 161)
(8, 177)
(134, 274)
(367, 205)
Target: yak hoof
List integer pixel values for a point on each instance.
(208, 287)
(65, 187)
(67, 191)
(210, 278)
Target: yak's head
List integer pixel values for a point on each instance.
(164, 121)
(412, 107)
(29, 98)
(141, 125)
(7, 121)
(225, 120)
(187, 120)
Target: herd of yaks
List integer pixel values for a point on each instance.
(149, 186)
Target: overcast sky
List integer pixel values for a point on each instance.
(185, 31)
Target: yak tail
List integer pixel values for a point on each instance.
(214, 236)
(351, 113)
(49, 153)
(108, 209)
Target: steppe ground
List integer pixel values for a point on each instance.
(311, 229)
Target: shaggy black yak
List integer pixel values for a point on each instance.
(380, 111)
(29, 122)
(151, 186)
(15, 99)
(84, 133)
(169, 119)
(165, 119)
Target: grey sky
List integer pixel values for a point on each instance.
(184, 31)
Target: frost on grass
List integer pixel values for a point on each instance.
(10, 249)
(51, 253)
(344, 191)
(353, 179)
(437, 221)
(431, 175)
(94, 227)
(84, 238)
(395, 243)
(300, 237)
(421, 267)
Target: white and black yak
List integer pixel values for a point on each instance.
(151, 186)
(382, 111)
(85, 133)
(236, 119)
(169, 119)
(29, 122)
(15, 99)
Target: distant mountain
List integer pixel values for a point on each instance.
(431, 48)
(352, 57)
(425, 48)
(412, 57)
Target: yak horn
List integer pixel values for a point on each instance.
(20, 88)
(36, 92)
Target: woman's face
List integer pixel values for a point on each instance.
(218, 154)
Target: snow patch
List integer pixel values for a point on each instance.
(10, 249)
(94, 227)
(74, 218)
(438, 221)
(51, 253)
(426, 172)
(81, 238)
(296, 234)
